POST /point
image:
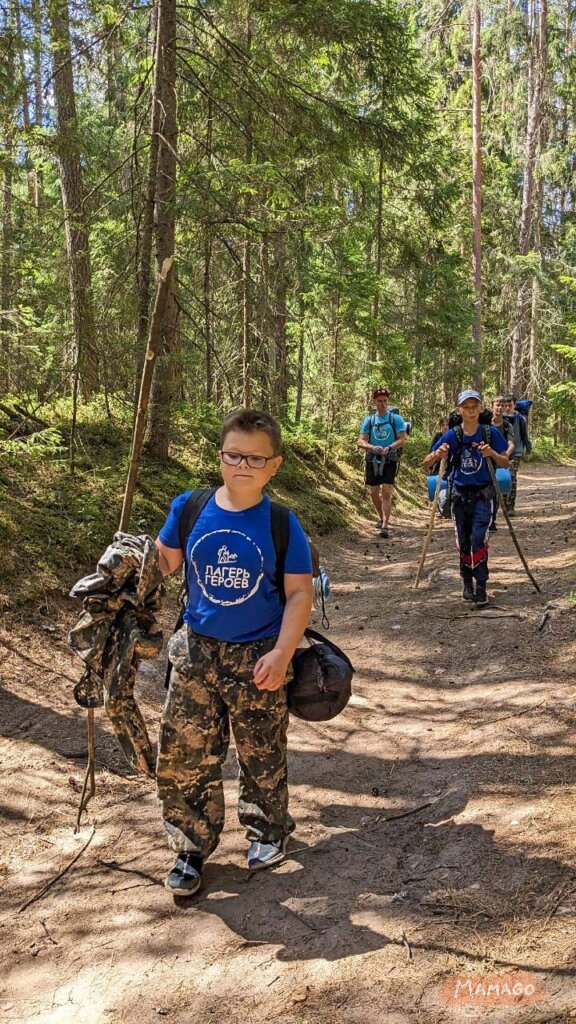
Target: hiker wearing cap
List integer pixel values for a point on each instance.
(469, 446)
(382, 436)
(522, 447)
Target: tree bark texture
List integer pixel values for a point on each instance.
(165, 99)
(519, 368)
(476, 197)
(75, 222)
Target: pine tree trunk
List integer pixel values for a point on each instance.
(144, 278)
(164, 380)
(279, 317)
(207, 275)
(376, 353)
(536, 72)
(247, 296)
(38, 96)
(77, 243)
(6, 270)
(476, 197)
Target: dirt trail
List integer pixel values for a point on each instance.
(436, 816)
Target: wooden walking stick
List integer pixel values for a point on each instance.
(500, 497)
(431, 523)
(152, 349)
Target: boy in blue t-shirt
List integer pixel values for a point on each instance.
(231, 659)
(473, 492)
(382, 435)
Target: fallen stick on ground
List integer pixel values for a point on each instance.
(49, 884)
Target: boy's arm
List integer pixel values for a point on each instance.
(440, 450)
(168, 558)
(270, 670)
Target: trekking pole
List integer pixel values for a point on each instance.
(500, 497)
(431, 523)
(152, 349)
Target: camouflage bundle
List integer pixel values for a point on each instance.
(116, 630)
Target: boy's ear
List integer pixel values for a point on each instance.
(277, 464)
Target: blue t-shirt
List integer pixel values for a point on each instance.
(232, 594)
(379, 428)
(473, 470)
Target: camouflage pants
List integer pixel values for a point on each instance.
(211, 689)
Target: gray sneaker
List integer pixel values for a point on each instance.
(185, 877)
(265, 855)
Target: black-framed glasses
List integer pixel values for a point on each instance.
(252, 461)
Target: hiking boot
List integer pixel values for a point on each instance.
(480, 598)
(468, 592)
(185, 877)
(511, 512)
(379, 524)
(384, 532)
(265, 855)
(492, 527)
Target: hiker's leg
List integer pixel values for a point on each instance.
(259, 720)
(377, 500)
(510, 499)
(194, 736)
(387, 493)
(481, 519)
(462, 516)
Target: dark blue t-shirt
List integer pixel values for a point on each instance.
(232, 593)
(473, 470)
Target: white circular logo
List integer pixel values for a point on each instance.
(229, 566)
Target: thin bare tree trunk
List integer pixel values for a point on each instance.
(77, 244)
(476, 196)
(207, 276)
(247, 296)
(38, 97)
(164, 380)
(144, 278)
(279, 318)
(6, 270)
(376, 352)
(537, 64)
(302, 257)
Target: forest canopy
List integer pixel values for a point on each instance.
(310, 166)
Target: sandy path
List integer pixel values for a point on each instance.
(464, 718)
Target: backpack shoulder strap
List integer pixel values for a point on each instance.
(487, 433)
(392, 421)
(190, 513)
(280, 529)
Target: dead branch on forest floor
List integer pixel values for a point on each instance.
(39, 895)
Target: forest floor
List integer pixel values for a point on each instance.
(436, 816)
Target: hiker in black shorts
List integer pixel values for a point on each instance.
(382, 436)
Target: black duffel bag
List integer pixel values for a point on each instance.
(322, 683)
